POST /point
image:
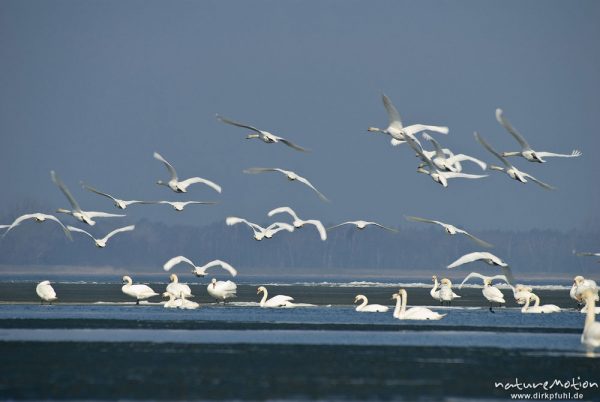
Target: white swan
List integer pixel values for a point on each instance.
(39, 217)
(488, 258)
(580, 285)
(413, 313)
(139, 292)
(259, 232)
(363, 224)
(450, 229)
(179, 205)
(199, 270)
(265, 136)
(587, 254)
(536, 308)
(221, 290)
(492, 294)
(435, 292)
(77, 212)
(364, 307)
(509, 169)
(291, 176)
(526, 151)
(101, 243)
(121, 204)
(584, 309)
(181, 186)
(298, 223)
(396, 130)
(483, 277)
(187, 304)
(178, 289)
(446, 293)
(591, 330)
(521, 293)
(275, 301)
(436, 174)
(46, 292)
(173, 301)
(444, 159)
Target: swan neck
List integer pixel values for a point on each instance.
(264, 298)
(526, 306)
(590, 316)
(364, 303)
(397, 308)
(537, 301)
(404, 297)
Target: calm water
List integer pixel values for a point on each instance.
(242, 352)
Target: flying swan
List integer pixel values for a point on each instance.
(491, 293)
(39, 217)
(450, 229)
(395, 129)
(265, 136)
(444, 159)
(360, 225)
(199, 271)
(121, 204)
(298, 223)
(259, 232)
(526, 151)
(291, 176)
(181, 186)
(101, 243)
(488, 258)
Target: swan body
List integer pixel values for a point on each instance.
(396, 130)
(591, 330)
(199, 270)
(509, 169)
(180, 186)
(413, 313)
(188, 304)
(121, 204)
(450, 229)
(259, 232)
(447, 161)
(178, 289)
(526, 151)
(139, 292)
(101, 243)
(492, 294)
(488, 258)
(38, 217)
(173, 301)
(446, 293)
(536, 308)
(291, 176)
(46, 292)
(76, 211)
(363, 224)
(298, 223)
(264, 136)
(222, 290)
(364, 307)
(275, 301)
(179, 205)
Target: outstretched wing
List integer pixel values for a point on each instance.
(192, 180)
(393, 115)
(439, 153)
(234, 123)
(491, 150)
(232, 220)
(383, 227)
(280, 210)
(466, 259)
(417, 219)
(462, 157)
(475, 239)
(176, 260)
(341, 224)
(573, 154)
(305, 181)
(502, 120)
(64, 190)
(292, 145)
(95, 214)
(222, 264)
(256, 170)
(169, 167)
(319, 226)
(114, 232)
(460, 175)
(93, 190)
(541, 183)
(416, 128)
(74, 229)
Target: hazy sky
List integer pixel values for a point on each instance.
(92, 88)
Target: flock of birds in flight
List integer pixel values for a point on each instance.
(441, 164)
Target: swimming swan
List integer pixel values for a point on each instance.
(265, 136)
(275, 301)
(536, 308)
(101, 243)
(139, 292)
(46, 292)
(413, 313)
(181, 186)
(364, 307)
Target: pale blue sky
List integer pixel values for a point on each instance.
(92, 88)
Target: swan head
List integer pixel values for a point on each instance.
(434, 278)
(359, 297)
(166, 294)
(446, 281)
(402, 292)
(173, 278)
(261, 289)
(395, 296)
(44, 283)
(487, 282)
(213, 282)
(127, 279)
(578, 280)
